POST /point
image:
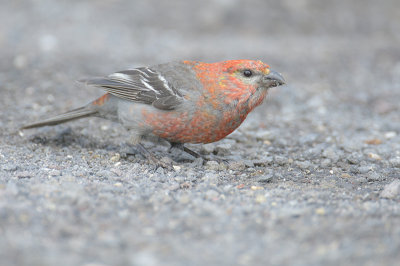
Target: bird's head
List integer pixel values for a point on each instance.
(244, 75)
(237, 80)
(251, 73)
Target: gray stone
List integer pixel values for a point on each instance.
(325, 163)
(54, 172)
(237, 165)
(265, 178)
(364, 169)
(24, 174)
(212, 165)
(280, 160)
(303, 165)
(395, 162)
(373, 176)
(9, 167)
(391, 190)
(211, 178)
(332, 154)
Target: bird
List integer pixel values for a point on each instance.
(180, 102)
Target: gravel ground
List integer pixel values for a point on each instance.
(312, 177)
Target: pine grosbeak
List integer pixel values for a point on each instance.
(181, 102)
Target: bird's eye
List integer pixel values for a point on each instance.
(247, 73)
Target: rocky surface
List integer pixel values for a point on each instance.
(310, 178)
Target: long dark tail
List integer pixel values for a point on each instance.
(68, 116)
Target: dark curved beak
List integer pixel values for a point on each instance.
(273, 79)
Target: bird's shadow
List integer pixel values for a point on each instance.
(71, 139)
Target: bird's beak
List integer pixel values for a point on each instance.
(273, 79)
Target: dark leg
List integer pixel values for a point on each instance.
(149, 156)
(191, 152)
(187, 150)
(195, 154)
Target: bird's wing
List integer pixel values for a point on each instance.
(143, 85)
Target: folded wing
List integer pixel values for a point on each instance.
(142, 85)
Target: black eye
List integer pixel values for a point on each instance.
(247, 73)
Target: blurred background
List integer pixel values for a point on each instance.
(341, 60)
(333, 47)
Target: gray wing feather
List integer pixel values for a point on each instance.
(143, 85)
(166, 103)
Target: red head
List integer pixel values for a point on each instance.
(236, 79)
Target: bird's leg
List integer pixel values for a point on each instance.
(135, 142)
(197, 155)
(185, 149)
(150, 156)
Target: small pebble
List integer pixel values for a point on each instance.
(223, 148)
(373, 176)
(331, 153)
(280, 160)
(303, 165)
(222, 166)
(364, 169)
(208, 148)
(160, 171)
(54, 172)
(104, 127)
(265, 178)
(345, 175)
(390, 134)
(320, 211)
(360, 180)
(326, 163)
(237, 166)
(210, 178)
(167, 160)
(212, 165)
(185, 185)
(115, 158)
(395, 162)
(374, 156)
(354, 158)
(24, 174)
(173, 187)
(373, 141)
(177, 168)
(248, 163)
(391, 190)
(267, 142)
(9, 167)
(261, 199)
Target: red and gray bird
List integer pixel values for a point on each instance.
(181, 102)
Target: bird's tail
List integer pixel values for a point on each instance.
(62, 118)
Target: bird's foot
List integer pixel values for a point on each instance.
(196, 155)
(152, 159)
